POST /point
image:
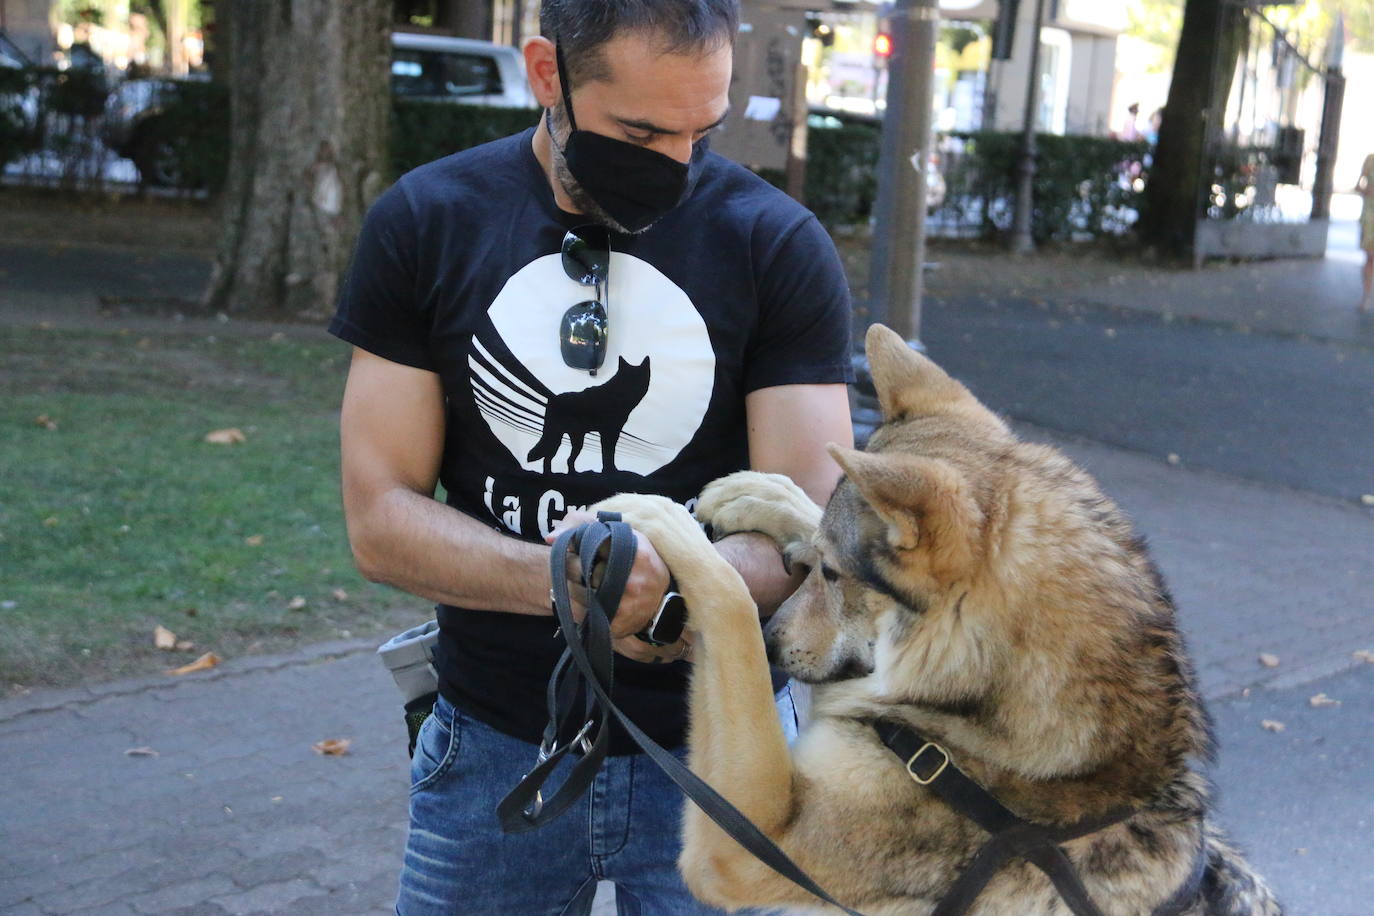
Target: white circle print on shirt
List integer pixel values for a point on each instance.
(640, 409)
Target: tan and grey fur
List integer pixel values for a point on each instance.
(985, 592)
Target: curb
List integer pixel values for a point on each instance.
(51, 700)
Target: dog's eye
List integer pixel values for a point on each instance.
(829, 572)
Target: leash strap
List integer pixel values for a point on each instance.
(589, 646)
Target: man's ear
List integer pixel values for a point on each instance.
(541, 69)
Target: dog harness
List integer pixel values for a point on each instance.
(929, 765)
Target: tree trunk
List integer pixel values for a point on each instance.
(309, 101)
(1208, 48)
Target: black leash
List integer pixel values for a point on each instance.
(589, 645)
(588, 661)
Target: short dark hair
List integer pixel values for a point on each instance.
(581, 27)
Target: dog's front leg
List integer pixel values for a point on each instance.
(736, 741)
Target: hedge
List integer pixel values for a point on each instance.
(1083, 186)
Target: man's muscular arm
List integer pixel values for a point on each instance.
(789, 426)
(392, 436)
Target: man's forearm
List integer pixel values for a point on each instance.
(757, 559)
(410, 541)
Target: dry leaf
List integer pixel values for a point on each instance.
(50, 521)
(253, 540)
(185, 645)
(232, 436)
(140, 752)
(45, 421)
(164, 638)
(1364, 655)
(296, 603)
(340, 595)
(1272, 725)
(1269, 660)
(204, 663)
(332, 747)
(1321, 700)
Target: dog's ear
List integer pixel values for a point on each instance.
(925, 502)
(908, 384)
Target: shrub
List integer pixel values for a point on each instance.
(422, 131)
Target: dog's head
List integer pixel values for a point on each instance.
(904, 527)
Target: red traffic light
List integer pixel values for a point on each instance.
(882, 45)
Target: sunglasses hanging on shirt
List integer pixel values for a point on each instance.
(584, 332)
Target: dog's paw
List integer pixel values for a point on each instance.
(676, 536)
(770, 504)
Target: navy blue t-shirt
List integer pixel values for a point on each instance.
(457, 271)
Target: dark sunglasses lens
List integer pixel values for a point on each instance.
(587, 254)
(582, 336)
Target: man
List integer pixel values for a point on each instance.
(510, 347)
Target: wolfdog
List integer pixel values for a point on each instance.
(984, 593)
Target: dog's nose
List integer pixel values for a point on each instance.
(770, 643)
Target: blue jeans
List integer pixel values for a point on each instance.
(625, 829)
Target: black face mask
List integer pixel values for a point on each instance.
(634, 185)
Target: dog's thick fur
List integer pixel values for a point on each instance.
(985, 592)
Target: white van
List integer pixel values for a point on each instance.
(447, 69)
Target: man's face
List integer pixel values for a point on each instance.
(664, 102)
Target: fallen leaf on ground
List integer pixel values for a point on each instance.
(232, 436)
(332, 747)
(1321, 700)
(204, 663)
(1269, 660)
(185, 645)
(45, 421)
(164, 638)
(1364, 655)
(1272, 725)
(296, 603)
(50, 521)
(340, 595)
(140, 752)
(253, 540)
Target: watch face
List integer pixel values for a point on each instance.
(670, 620)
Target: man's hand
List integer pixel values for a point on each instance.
(644, 591)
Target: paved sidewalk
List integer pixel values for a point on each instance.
(236, 814)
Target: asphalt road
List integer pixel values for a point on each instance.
(1306, 819)
(1280, 410)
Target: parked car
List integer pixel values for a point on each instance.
(463, 70)
(423, 66)
(19, 106)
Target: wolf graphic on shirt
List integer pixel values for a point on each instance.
(603, 409)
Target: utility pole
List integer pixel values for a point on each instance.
(900, 209)
(1022, 241)
(899, 234)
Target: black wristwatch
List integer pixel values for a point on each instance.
(670, 620)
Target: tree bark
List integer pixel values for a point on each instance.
(1208, 48)
(309, 102)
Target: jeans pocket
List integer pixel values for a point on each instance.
(436, 747)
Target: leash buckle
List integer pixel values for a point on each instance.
(547, 750)
(927, 780)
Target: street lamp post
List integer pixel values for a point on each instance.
(1022, 241)
(900, 207)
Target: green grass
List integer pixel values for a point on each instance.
(124, 518)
